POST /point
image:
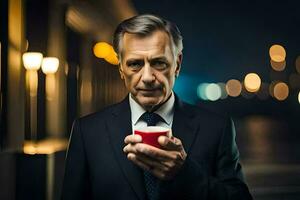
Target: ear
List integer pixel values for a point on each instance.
(121, 71)
(178, 64)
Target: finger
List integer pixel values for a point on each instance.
(155, 163)
(138, 162)
(132, 139)
(129, 148)
(158, 162)
(170, 143)
(153, 169)
(153, 152)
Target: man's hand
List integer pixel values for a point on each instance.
(163, 163)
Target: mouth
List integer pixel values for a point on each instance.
(149, 92)
(148, 89)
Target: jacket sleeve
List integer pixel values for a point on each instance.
(194, 183)
(75, 183)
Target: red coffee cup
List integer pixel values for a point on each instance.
(150, 134)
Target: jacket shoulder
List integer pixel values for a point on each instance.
(97, 117)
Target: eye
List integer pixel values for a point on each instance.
(159, 64)
(135, 64)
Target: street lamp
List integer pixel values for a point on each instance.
(32, 62)
(49, 67)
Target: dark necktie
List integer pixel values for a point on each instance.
(151, 118)
(151, 182)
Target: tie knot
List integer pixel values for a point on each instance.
(151, 118)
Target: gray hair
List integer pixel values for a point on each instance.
(144, 25)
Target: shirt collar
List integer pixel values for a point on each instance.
(165, 111)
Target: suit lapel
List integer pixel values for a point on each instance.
(119, 125)
(184, 126)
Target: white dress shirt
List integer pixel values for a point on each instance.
(166, 111)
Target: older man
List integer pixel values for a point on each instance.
(200, 161)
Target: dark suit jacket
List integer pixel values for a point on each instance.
(97, 168)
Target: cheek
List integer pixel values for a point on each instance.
(131, 80)
(166, 80)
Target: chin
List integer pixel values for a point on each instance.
(149, 101)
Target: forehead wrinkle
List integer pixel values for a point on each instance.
(146, 46)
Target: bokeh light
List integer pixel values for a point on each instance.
(32, 60)
(106, 51)
(281, 91)
(278, 66)
(233, 88)
(277, 53)
(299, 97)
(201, 91)
(213, 92)
(48, 146)
(102, 49)
(252, 82)
(112, 58)
(50, 65)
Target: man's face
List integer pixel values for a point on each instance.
(148, 67)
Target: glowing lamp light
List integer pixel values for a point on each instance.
(278, 66)
(50, 65)
(32, 60)
(277, 53)
(112, 58)
(201, 91)
(106, 51)
(102, 49)
(233, 88)
(213, 92)
(48, 146)
(252, 82)
(299, 97)
(281, 91)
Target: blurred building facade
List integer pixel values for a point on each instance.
(35, 126)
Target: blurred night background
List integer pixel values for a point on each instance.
(240, 57)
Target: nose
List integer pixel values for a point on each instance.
(147, 74)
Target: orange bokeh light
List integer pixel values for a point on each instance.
(281, 91)
(277, 53)
(233, 88)
(252, 82)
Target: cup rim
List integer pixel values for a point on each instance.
(150, 129)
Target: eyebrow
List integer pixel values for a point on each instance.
(159, 58)
(132, 60)
(162, 58)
